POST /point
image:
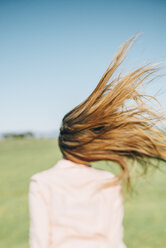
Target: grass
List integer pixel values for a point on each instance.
(145, 211)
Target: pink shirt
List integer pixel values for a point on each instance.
(73, 206)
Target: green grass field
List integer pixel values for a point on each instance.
(145, 211)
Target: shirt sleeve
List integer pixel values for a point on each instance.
(116, 220)
(39, 228)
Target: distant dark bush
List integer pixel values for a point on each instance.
(18, 135)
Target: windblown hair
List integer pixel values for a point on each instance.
(106, 127)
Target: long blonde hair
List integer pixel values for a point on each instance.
(106, 127)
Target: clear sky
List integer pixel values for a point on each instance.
(53, 53)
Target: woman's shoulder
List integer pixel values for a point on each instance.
(41, 175)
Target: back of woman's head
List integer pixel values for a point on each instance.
(106, 127)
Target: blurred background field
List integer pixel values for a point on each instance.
(145, 211)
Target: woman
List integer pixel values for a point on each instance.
(72, 204)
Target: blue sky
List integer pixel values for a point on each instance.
(53, 53)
